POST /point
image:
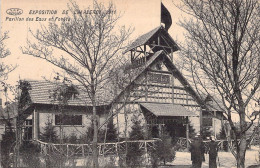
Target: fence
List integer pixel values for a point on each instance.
(83, 150)
(222, 144)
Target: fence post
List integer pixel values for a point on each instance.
(83, 154)
(146, 152)
(67, 151)
(116, 149)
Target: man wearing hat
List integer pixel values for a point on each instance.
(213, 152)
(197, 152)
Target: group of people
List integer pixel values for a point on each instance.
(198, 150)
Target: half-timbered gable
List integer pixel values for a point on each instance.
(159, 86)
(157, 89)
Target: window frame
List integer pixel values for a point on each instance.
(68, 121)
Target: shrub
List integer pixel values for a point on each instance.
(222, 134)
(163, 152)
(133, 153)
(54, 160)
(30, 154)
(49, 134)
(73, 138)
(7, 145)
(111, 132)
(87, 137)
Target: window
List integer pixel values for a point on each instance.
(28, 122)
(27, 130)
(68, 119)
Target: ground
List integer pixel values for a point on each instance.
(226, 159)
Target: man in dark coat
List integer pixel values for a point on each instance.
(213, 153)
(197, 152)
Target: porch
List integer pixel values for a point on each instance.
(168, 117)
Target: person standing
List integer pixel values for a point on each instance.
(213, 153)
(197, 152)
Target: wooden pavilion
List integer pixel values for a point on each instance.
(157, 89)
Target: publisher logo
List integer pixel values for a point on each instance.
(14, 11)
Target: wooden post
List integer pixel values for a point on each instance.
(172, 88)
(146, 85)
(35, 125)
(171, 54)
(83, 154)
(67, 151)
(214, 125)
(187, 132)
(145, 50)
(160, 129)
(159, 43)
(201, 121)
(146, 152)
(116, 149)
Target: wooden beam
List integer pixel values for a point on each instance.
(201, 122)
(171, 54)
(214, 124)
(138, 102)
(187, 132)
(160, 71)
(155, 45)
(146, 87)
(145, 54)
(36, 125)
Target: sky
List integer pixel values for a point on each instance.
(142, 15)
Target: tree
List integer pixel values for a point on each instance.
(222, 134)
(7, 143)
(111, 135)
(61, 94)
(4, 52)
(49, 134)
(134, 153)
(164, 150)
(222, 52)
(89, 45)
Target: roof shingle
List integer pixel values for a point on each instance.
(167, 109)
(41, 93)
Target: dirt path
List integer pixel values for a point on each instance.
(226, 159)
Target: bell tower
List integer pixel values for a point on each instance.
(148, 44)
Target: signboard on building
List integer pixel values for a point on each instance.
(158, 78)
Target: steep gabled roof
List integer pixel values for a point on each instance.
(152, 36)
(169, 64)
(213, 103)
